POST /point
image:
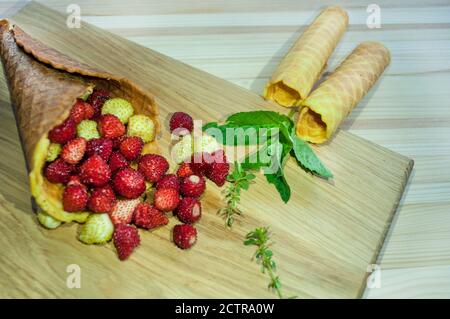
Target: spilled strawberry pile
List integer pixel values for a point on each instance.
(99, 154)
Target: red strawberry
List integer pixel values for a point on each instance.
(166, 199)
(117, 141)
(184, 170)
(168, 181)
(63, 133)
(189, 210)
(192, 186)
(131, 147)
(97, 99)
(74, 180)
(58, 171)
(148, 217)
(73, 151)
(181, 120)
(153, 166)
(75, 198)
(110, 126)
(102, 200)
(100, 146)
(218, 173)
(95, 171)
(184, 236)
(81, 111)
(126, 239)
(117, 161)
(218, 170)
(200, 162)
(123, 211)
(129, 183)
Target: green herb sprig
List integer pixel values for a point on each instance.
(238, 180)
(289, 144)
(260, 238)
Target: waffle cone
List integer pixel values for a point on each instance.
(297, 73)
(327, 106)
(43, 85)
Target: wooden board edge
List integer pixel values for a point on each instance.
(376, 255)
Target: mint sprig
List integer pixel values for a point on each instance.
(288, 144)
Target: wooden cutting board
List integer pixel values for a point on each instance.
(324, 238)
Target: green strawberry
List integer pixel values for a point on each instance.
(87, 129)
(48, 221)
(98, 229)
(182, 150)
(206, 143)
(118, 107)
(53, 152)
(142, 126)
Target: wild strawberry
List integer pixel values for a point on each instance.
(153, 166)
(148, 217)
(218, 173)
(142, 126)
(95, 171)
(110, 126)
(166, 199)
(200, 163)
(100, 146)
(74, 180)
(117, 141)
(218, 170)
(73, 151)
(126, 239)
(192, 186)
(189, 210)
(184, 170)
(118, 107)
(131, 147)
(117, 161)
(75, 198)
(168, 181)
(123, 211)
(129, 183)
(58, 171)
(98, 229)
(102, 200)
(81, 111)
(181, 120)
(97, 99)
(184, 236)
(63, 133)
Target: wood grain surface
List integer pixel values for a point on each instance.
(242, 42)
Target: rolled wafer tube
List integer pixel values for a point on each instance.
(299, 70)
(43, 85)
(328, 105)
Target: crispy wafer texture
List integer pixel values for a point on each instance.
(327, 106)
(43, 85)
(299, 70)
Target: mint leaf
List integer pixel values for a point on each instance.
(281, 185)
(277, 178)
(307, 159)
(234, 135)
(259, 118)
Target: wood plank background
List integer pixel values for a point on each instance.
(242, 41)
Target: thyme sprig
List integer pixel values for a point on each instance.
(238, 180)
(260, 237)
